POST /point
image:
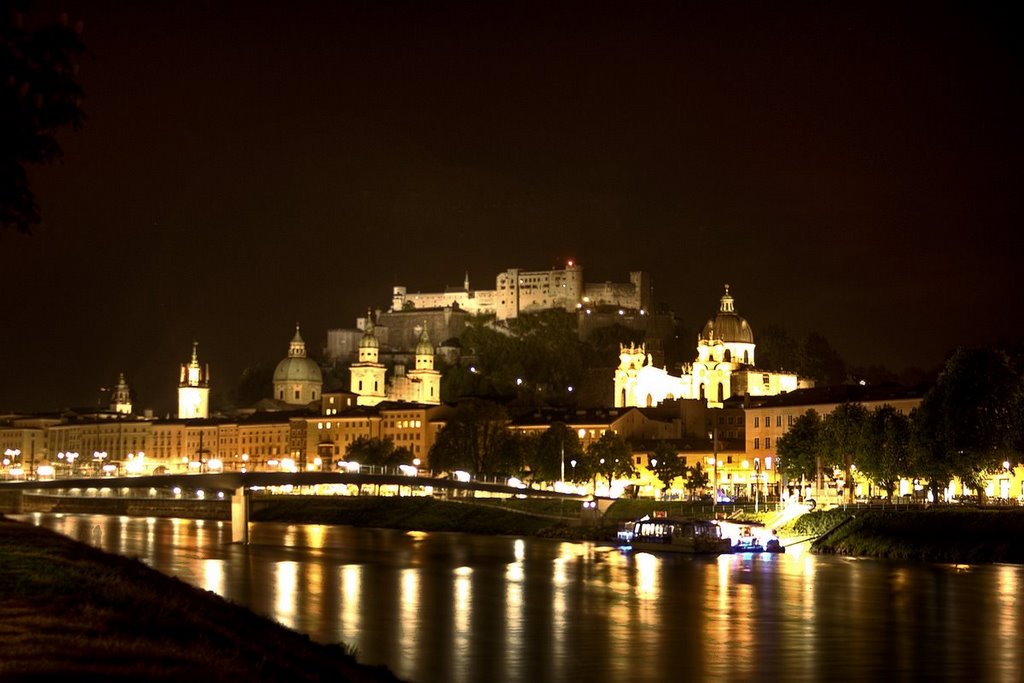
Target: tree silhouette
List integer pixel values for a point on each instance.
(39, 95)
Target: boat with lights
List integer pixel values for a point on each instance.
(663, 534)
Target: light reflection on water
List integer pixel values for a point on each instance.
(452, 607)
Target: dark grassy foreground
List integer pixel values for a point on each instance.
(69, 610)
(935, 535)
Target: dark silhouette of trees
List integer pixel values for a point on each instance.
(798, 449)
(842, 442)
(777, 350)
(609, 457)
(473, 440)
(556, 443)
(666, 464)
(885, 457)
(969, 423)
(39, 95)
(373, 451)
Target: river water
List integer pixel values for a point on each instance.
(463, 608)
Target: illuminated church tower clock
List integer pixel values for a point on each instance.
(194, 389)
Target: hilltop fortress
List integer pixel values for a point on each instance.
(526, 291)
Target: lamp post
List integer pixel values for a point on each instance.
(757, 483)
(714, 463)
(562, 476)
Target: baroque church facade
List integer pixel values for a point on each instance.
(724, 367)
(369, 383)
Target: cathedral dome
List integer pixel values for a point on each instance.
(297, 367)
(298, 370)
(727, 326)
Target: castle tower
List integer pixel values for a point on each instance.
(368, 373)
(194, 389)
(425, 378)
(297, 379)
(121, 400)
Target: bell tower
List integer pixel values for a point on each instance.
(368, 374)
(194, 389)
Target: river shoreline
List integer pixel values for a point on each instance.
(70, 609)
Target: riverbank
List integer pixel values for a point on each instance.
(941, 534)
(71, 610)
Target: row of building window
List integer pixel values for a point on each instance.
(778, 421)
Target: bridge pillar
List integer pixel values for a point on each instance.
(240, 516)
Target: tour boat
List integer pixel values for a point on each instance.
(662, 534)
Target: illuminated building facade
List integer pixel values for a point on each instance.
(369, 383)
(770, 418)
(121, 401)
(524, 291)
(194, 389)
(724, 367)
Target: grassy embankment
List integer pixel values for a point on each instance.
(68, 609)
(935, 535)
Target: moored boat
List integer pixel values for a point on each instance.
(662, 534)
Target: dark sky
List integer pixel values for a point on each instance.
(847, 168)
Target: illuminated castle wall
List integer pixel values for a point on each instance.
(523, 291)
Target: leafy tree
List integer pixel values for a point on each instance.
(820, 361)
(373, 451)
(885, 458)
(777, 350)
(556, 445)
(610, 458)
(255, 383)
(473, 439)
(696, 479)
(798, 449)
(842, 440)
(968, 420)
(39, 95)
(513, 452)
(666, 464)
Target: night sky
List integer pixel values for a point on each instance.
(847, 168)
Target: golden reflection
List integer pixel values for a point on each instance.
(463, 602)
(558, 572)
(1009, 611)
(409, 602)
(290, 534)
(286, 581)
(647, 566)
(315, 534)
(351, 586)
(213, 576)
(416, 535)
(515, 614)
(519, 547)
